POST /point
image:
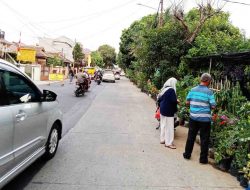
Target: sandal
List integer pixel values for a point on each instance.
(171, 146)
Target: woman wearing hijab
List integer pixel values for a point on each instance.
(168, 107)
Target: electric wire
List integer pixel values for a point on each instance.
(236, 2)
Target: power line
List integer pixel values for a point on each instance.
(97, 15)
(236, 2)
(111, 26)
(21, 17)
(31, 27)
(89, 15)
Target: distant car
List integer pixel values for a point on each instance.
(108, 76)
(117, 76)
(30, 122)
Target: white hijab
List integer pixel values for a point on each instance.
(170, 83)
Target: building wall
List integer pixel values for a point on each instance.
(62, 44)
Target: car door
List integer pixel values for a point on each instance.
(30, 118)
(6, 134)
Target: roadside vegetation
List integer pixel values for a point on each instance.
(150, 55)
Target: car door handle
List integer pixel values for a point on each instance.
(21, 116)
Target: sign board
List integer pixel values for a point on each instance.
(26, 54)
(90, 70)
(56, 77)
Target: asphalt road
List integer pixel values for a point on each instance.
(73, 107)
(114, 146)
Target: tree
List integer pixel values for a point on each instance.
(206, 11)
(97, 59)
(217, 35)
(132, 40)
(161, 52)
(55, 61)
(108, 54)
(155, 54)
(77, 53)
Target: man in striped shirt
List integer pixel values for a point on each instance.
(201, 101)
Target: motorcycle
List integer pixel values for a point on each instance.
(81, 88)
(98, 80)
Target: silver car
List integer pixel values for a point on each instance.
(30, 122)
(108, 76)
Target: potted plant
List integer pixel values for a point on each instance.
(246, 172)
(183, 113)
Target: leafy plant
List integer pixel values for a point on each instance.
(55, 61)
(230, 100)
(244, 111)
(246, 169)
(223, 136)
(183, 111)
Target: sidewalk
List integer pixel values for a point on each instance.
(47, 82)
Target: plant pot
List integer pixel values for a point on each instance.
(211, 153)
(239, 176)
(244, 183)
(234, 171)
(181, 122)
(186, 124)
(224, 164)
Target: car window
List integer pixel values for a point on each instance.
(3, 99)
(18, 88)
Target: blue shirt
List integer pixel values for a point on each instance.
(201, 100)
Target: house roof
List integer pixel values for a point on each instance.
(227, 58)
(64, 39)
(86, 51)
(40, 51)
(5, 42)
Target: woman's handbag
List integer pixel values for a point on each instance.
(157, 114)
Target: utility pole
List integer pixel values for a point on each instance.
(74, 55)
(161, 14)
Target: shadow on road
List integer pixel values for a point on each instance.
(24, 178)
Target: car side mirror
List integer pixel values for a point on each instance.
(48, 96)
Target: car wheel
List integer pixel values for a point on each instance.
(52, 143)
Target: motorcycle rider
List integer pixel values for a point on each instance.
(98, 73)
(80, 76)
(87, 77)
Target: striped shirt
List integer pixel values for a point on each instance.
(201, 100)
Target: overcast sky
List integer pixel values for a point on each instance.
(91, 22)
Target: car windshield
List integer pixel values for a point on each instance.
(108, 72)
